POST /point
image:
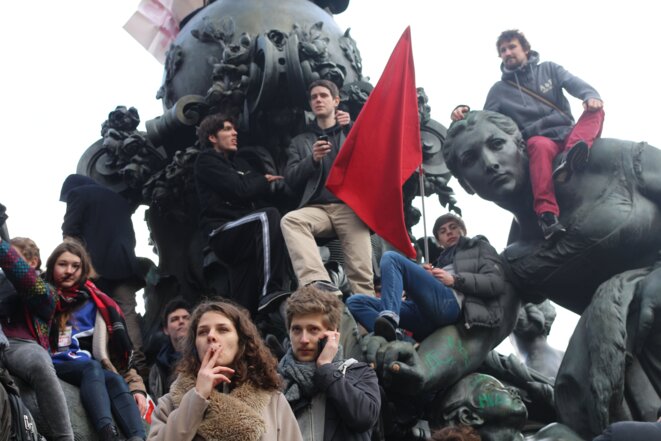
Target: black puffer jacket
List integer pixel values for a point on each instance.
(531, 115)
(480, 277)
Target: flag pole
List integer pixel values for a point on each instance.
(421, 182)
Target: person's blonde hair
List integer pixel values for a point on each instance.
(28, 248)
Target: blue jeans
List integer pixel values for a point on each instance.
(429, 305)
(103, 394)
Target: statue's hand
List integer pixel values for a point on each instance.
(401, 368)
(397, 364)
(648, 298)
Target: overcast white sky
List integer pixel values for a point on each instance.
(67, 64)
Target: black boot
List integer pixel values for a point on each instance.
(550, 225)
(109, 433)
(574, 160)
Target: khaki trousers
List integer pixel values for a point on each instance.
(300, 227)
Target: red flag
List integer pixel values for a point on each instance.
(382, 150)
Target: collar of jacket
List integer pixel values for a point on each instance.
(521, 71)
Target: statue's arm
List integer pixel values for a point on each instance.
(648, 167)
(441, 359)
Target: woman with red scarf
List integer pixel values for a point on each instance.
(91, 348)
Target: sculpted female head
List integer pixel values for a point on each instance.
(487, 155)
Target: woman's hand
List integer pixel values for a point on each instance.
(141, 401)
(210, 375)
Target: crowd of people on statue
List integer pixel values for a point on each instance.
(215, 378)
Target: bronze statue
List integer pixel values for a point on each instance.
(496, 411)
(613, 213)
(253, 60)
(529, 338)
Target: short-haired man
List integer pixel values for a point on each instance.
(320, 213)
(333, 399)
(467, 275)
(175, 322)
(247, 240)
(531, 94)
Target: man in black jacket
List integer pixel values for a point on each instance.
(467, 277)
(333, 399)
(176, 320)
(247, 240)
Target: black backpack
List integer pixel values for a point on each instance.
(16, 422)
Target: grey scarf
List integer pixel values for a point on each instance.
(298, 376)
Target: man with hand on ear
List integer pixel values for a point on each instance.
(333, 399)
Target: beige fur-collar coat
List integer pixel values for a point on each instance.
(195, 415)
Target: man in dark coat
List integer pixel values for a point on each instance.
(100, 219)
(466, 277)
(531, 93)
(246, 239)
(176, 320)
(333, 398)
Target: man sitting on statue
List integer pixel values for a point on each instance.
(320, 213)
(467, 275)
(247, 240)
(531, 93)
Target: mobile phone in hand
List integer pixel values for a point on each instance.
(322, 138)
(321, 344)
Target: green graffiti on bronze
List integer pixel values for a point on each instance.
(486, 400)
(451, 351)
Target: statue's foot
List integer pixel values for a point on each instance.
(574, 160)
(550, 225)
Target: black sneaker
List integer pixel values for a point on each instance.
(386, 327)
(270, 301)
(574, 160)
(326, 286)
(550, 225)
(109, 433)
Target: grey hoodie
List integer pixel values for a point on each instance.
(531, 115)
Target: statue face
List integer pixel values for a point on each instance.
(490, 162)
(495, 402)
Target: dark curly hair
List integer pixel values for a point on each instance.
(512, 34)
(210, 126)
(253, 363)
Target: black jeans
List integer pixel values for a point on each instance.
(255, 253)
